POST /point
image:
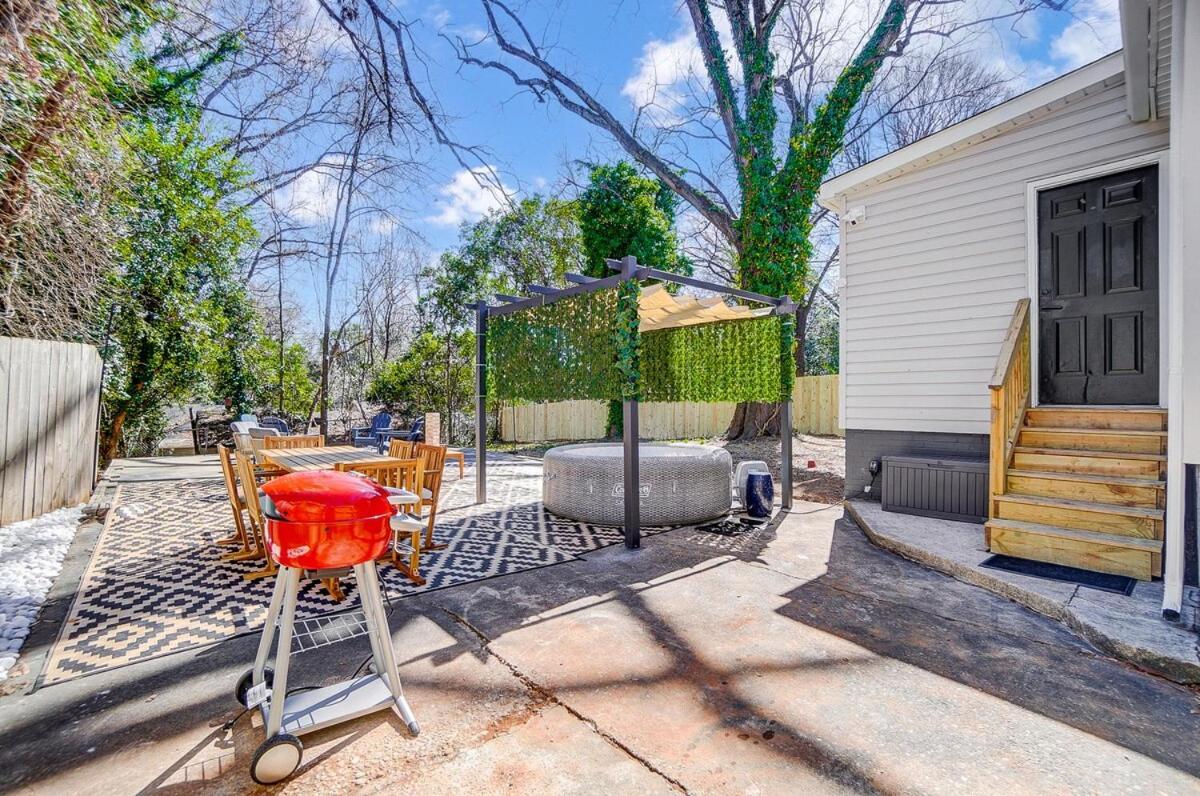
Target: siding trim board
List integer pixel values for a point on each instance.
(1158, 158)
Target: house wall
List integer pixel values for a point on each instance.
(933, 272)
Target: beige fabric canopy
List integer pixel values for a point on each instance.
(658, 309)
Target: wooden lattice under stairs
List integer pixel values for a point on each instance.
(1085, 487)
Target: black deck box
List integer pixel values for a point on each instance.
(953, 489)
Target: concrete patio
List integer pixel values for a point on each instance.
(1128, 627)
(797, 658)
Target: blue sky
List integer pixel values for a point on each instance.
(618, 50)
(610, 46)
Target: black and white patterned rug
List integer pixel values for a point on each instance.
(156, 585)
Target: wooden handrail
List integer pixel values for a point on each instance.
(1011, 390)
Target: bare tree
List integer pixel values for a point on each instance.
(776, 103)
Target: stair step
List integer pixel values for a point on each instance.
(1110, 489)
(1082, 515)
(1057, 460)
(1103, 439)
(1092, 417)
(1098, 552)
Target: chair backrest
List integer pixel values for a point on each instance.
(297, 441)
(402, 449)
(249, 418)
(228, 466)
(277, 423)
(397, 473)
(381, 421)
(417, 426)
(434, 459)
(258, 432)
(245, 469)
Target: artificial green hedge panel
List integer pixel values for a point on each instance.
(560, 352)
(726, 361)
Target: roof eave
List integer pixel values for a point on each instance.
(1018, 111)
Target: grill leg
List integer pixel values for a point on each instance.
(284, 653)
(381, 640)
(268, 634)
(364, 591)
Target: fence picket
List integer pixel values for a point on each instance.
(49, 399)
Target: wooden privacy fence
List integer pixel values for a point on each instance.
(49, 404)
(814, 400)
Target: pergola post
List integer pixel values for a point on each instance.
(481, 316)
(632, 476)
(785, 458)
(632, 486)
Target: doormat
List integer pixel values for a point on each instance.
(1117, 584)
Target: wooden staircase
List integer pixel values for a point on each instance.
(1085, 487)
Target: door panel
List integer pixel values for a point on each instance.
(1098, 290)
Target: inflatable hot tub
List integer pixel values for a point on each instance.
(680, 484)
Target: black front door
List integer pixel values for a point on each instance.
(1098, 290)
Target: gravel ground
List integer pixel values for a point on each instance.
(31, 556)
(824, 482)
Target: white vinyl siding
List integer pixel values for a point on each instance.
(933, 272)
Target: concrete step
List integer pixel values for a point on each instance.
(1111, 489)
(1095, 551)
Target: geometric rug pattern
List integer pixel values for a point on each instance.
(155, 583)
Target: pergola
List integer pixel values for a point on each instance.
(576, 361)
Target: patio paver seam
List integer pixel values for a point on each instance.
(549, 696)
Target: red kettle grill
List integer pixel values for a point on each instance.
(318, 525)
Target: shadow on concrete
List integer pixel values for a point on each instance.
(936, 623)
(881, 603)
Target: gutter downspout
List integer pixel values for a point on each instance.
(1179, 163)
(1135, 38)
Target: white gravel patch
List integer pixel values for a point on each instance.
(31, 556)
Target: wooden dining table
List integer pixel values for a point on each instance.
(328, 457)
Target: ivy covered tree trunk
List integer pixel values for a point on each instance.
(767, 224)
(773, 230)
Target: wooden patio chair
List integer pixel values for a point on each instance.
(404, 474)
(295, 441)
(247, 544)
(433, 458)
(258, 524)
(402, 449)
(246, 474)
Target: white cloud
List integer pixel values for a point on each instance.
(661, 66)
(312, 197)
(468, 196)
(438, 16)
(1095, 32)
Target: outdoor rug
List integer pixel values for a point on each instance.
(155, 583)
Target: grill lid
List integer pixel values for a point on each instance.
(324, 496)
